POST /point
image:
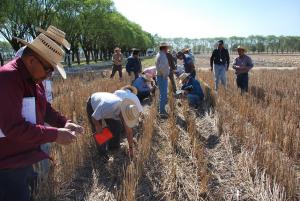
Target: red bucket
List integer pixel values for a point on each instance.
(103, 137)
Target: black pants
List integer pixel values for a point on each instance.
(115, 126)
(172, 80)
(15, 183)
(143, 95)
(242, 82)
(115, 69)
(136, 74)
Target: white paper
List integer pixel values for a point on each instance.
(1, 134)
(48, 90)
(28, 109)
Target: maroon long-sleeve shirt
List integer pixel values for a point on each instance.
(20, 140)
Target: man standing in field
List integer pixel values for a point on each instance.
(134, 66)
(24, 110)
(163, 71)
(219, 62)
(242, 65)
(117, 63)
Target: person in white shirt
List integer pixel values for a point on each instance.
(108, 110)
(129, 92)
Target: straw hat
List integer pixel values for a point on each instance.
(57, 35)
(130, 112)
(48, 50)
(183, 76)
(185, 50)
(130, 88)
(241, 48)
(147, 77)
(164, 45)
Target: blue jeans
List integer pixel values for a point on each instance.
(163, 93)
(193, 100)
(220, 74)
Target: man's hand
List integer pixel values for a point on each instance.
(65, 136)
(74, 127)
(211, 68)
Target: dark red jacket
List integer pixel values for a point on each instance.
(21, 140)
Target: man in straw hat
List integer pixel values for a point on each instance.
(108, 110)
(134, 65)
(219, 63)
(242, 65)
(145, 86)
(24, 110)
(163, 71)
(57, 36)
(191, 89)
(117, 63)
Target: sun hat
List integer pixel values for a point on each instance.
(130, 112)
(48, 50)
(164, 45)
(241, 48)
(183, 76)
(147, 77)
(130, 88)
(56, 34)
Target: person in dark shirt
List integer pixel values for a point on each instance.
(219, 62)
(1, 60)
(191, 89)
(134, 65)
(189, 66)
(172, 69)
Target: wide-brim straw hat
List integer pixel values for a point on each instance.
(57, 35)
(130, 88)
(147, 77)
(164, 45)
(241, 48)
(48, 50)
(130, 112)
(183, 76)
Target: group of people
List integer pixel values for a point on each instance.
(220, 61)
(28, 121)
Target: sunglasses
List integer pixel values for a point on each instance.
(47, 68)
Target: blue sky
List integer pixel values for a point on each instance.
(213, 18)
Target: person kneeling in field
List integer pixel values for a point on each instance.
(191, 88)
(108, 111)
(145, 86)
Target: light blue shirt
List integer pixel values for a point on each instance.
(106, 106)
(141, 85)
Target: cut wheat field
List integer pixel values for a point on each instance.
(233, 148)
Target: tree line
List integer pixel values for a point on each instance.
(95, 26)
(254, 43)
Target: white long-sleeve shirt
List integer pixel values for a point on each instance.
(162, 64)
